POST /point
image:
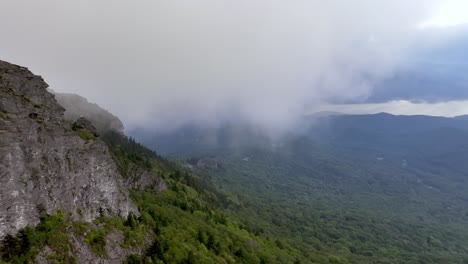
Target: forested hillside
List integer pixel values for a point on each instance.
(339, 189)
(347, 191)
(185, 223)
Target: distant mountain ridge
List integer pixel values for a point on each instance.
(321, 127)
(462, 117)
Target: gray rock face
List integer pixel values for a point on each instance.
(83, 253)
(140, 179)
(83, 123)
(44, 165)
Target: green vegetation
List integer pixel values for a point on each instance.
(36, 117)
(364, 189)
(187, 220)
(134, 230)
(85, 135)
(3, 115)
(315, 206)
(128, 154)
(188, 231)
(39, 120)
(184, 224)
(26, 245)
(96, 239)
(303, 204)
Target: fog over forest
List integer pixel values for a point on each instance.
(160, 64)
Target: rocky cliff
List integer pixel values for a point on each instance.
(79, 110)
(45, 165)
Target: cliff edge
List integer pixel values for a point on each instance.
(45, 165)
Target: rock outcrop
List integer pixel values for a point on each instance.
(44, 164)
(205, 163)
(77, 106)
(140, 179)
(84, 124)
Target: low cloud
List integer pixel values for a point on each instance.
(160, 64)
(400, 107)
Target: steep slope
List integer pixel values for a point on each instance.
(65, 192)
(189, 218)
(136, 173)
(44, 164)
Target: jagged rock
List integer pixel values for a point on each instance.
(44, 164)
(82, 253)
(77, 106)
(83, 123)
(141, 179)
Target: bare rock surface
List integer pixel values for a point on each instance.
(83, 123)
(44, 164)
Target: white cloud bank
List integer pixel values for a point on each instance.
(161, 63)
(449, 13)
(400, 107)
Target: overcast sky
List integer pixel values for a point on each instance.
(162, 63)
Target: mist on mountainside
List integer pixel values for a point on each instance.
(247, 131)
(77, 106)
(161, 65)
